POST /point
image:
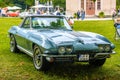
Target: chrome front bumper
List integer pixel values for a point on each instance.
(64, 58)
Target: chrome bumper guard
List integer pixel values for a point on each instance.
(103, 55)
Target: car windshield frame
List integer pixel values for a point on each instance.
(50, 22)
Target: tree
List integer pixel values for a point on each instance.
(61, 3)
(94, 0)
(29, 2)
(118, 3)
(24, 3)
(43, 1)
(4, 3)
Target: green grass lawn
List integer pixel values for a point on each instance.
(20, 66)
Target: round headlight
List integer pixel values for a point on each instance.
(107, 48)
(69, 49)
(61, 50)
(101, 48)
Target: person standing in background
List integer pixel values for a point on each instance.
(82, 14)
(38, 11)
(78, 14)
(114, 13)
(58, 12)
(4, 12)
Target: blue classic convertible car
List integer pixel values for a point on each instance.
(49, 38)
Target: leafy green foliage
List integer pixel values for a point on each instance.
(118, 3)
(94, 0)
(61, 3)
(20, 66)
(30, 2)
(43, 1)
(4, 3)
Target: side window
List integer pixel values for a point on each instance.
(26, 23)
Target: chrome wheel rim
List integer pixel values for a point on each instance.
(37, 57)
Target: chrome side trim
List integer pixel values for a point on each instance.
(24, 50)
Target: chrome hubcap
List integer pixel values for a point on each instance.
(37, 57)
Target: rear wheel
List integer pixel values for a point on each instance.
(13, 44)
(40, 62)
(97, 62)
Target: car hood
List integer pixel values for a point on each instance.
(61, 36)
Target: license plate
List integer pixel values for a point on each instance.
(83, 57)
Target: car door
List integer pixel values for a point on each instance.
(22, 33)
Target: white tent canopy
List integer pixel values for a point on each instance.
(41, 6)
(9, 8)
(16, 7)
(38, 6)
(13, 8)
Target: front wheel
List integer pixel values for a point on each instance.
(97, 62)
(39, 61)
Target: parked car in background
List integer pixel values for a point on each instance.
(12, 14)
(49, 38)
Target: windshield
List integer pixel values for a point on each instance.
(50, 23)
